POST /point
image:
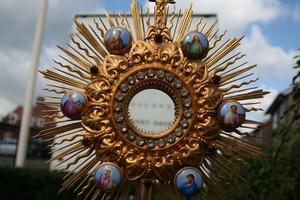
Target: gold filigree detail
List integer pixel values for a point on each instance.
(113, 65)
(98, 90)
(171, 54)
(192, 84)
(164, 167)
(194, 149)
(158, 36)
(95, 121)
(104, 149)
(135, 165)
(141, 52)
(209, 96)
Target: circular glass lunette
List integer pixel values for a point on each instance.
(152, 78)
(166, 90)
(152, 111)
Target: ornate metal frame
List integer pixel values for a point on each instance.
(155, 60)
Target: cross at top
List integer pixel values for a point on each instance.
(163, 1)
(161, 13)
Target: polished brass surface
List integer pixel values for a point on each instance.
(106, 133)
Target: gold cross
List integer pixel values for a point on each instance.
(163, 1)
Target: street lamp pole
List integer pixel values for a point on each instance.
(27, 108)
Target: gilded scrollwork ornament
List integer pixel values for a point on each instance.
(191, 67)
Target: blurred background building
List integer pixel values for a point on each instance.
(278, 115)
(38, 152)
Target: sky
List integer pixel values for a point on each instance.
(271, 29)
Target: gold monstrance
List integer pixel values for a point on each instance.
(106, 154)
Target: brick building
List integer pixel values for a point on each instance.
(9, 134)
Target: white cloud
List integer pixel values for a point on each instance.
(272, 60)
(14, 61)
(236, 14)
(6, 106)
(14, 70)
(17, 31)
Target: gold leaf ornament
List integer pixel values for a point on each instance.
(194, 68)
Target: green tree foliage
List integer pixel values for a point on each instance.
(25, 184)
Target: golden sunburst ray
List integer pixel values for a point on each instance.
(66, 140)
(136, 17)
(171, 18)
(53, 116)
(176, 25)
(80, 61)
(211, 28)
(110, 21)
(107, 63)
(185, 21)
(84, 50)
(57, 137)
(199, 23)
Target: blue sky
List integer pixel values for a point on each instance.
(284, 33)
(272, 29)
(119, 5)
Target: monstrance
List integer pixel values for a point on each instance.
(106, 153)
